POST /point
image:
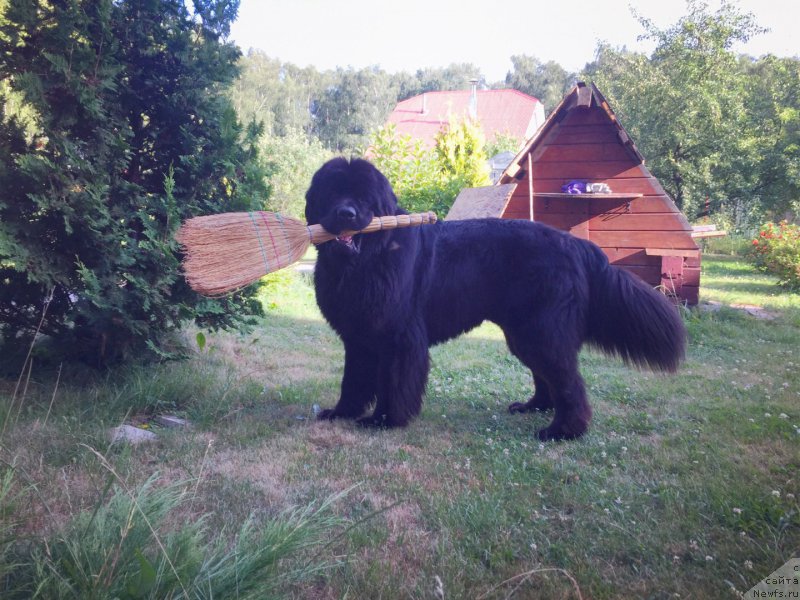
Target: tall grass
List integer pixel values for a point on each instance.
(7, 538)
(138, 543)
(139, 540)
(730, 245)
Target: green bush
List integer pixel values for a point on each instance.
(430, 179)
(123, 130)
(776, 250)
(460, 148)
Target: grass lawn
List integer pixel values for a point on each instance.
(686, 486)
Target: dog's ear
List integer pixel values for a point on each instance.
(377, 188)
(321, 182)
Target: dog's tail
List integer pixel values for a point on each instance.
(630, 319)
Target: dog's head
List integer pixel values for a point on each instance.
(344, 196)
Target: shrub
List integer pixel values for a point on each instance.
(776, 250)
(125, 130)
(460, 148)
(430, 179)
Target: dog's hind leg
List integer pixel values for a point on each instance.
(555, 364)
(359, 384)
(542, 398)
(540, 401)
(572, 410)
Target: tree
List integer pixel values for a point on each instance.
(133, 132)
(281, 95)
(291, 160)
(412, 169)
(356, 102)
(546, 81)
(456, 76)
(773, 105)
(685, 105)
(504, 142)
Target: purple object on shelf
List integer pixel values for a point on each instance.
(583, 187)
(574, 187)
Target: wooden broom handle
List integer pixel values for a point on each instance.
(319, 235)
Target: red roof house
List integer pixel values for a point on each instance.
(499, 112)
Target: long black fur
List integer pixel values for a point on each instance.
(391, 295)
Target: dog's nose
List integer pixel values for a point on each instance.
(347, 213)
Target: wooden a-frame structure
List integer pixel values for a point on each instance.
(637, 224)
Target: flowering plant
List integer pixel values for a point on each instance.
(776, 250)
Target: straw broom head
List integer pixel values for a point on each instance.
(227, 251)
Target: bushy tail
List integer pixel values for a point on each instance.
(630, 319)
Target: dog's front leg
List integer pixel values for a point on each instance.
(403, 373)
(358, 383)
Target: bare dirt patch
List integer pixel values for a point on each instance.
(759, 312)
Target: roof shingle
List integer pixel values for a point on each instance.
(504, 112)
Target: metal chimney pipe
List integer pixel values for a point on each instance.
(473, 98)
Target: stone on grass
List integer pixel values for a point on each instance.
(131, 435)
(171, 421)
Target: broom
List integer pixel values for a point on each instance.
(228, 251)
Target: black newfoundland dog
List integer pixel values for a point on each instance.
(391, 295)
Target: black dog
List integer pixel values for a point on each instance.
(393, 294)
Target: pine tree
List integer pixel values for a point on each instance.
(124, 130)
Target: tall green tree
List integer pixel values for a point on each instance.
(456, 76)
(355, 103)
(281, 95)
(547, 81)
(133, 132)
(686, 104)
(773, 106)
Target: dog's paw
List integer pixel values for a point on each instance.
(326, 414)
(375, 421)
(518, 407)
(561, 431)
(329, 414)
(533, 405)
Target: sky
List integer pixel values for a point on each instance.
(406, 35)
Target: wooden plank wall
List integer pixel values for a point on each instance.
(586, 146)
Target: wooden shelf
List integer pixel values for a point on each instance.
(612, 196)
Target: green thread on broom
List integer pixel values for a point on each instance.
(260, 243)
(283, 229)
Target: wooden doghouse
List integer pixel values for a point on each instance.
(637, 224)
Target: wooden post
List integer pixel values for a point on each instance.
(530, 184)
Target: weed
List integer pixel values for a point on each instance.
(136, 545)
